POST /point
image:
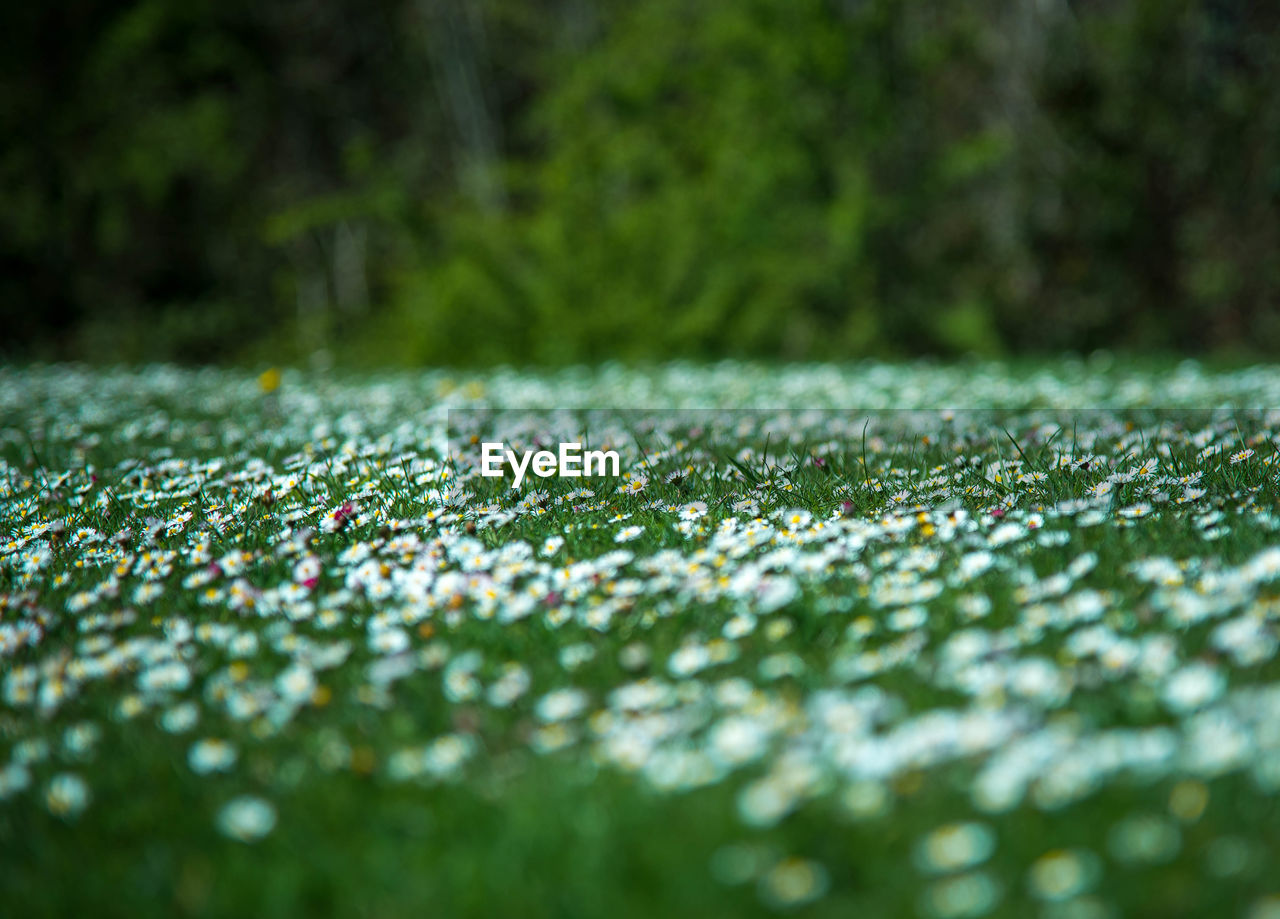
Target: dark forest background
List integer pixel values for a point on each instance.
(478, 181)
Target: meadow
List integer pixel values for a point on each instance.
(878, 640)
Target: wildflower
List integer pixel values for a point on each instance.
(737, 740)
(513, 684)
(339, 518)
(167, 676)
(296, 683)
(445, 756)
(307, 572)
(79, 739)
(1062, 874)
(793, 882)
(14, 778)
(765, 801)
(1192, 687)
(211, 755)
(866, 799)
(269, 380)
(954, 847)
(1188, 799)
(561, 705)
(796, 519)
(247, 818)
(574, 656)
(180, 718)
(961, 896)
(67, 795)
(634, 656)
(389, 641)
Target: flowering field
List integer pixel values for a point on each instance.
(878, 640)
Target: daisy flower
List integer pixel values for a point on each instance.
(247, 818)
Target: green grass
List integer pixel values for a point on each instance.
(805, 709)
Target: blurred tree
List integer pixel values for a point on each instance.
(557, 180)
(160, 157)
(762, 179)
(1157, 222)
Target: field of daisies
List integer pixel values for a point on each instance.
(875, 640)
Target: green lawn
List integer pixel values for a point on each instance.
(881, 640)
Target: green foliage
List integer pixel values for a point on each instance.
(458, 182)
(824, 180)
(1169, 178)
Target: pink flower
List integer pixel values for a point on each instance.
(340, 518)
(307, 572)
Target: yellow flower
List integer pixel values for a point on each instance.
(269, 380)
